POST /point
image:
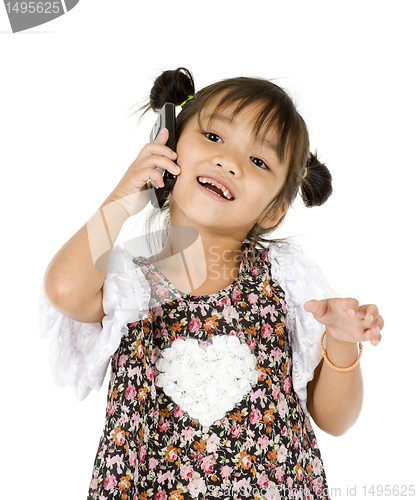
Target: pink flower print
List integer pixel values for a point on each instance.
(316, 466)
(208, 464)
(287, 386)
(130, 392)
(229, 313)
(133, 459)
(242, 486)
(282, 454)
(161, 495)
(212, 443)
(263, 481)
(259, 394)
(223, 301)
(276, 353)
(194, 325)
(136, 418)
(188, 432)
(131, 372)
(226, 471)
(253, 298)
(156, 354)
(178, 412)
(162, 291)
(112, 408)
(318, 486)
(266, 331)
(235, 431)
(276, 392)
(197, 486)
(279, 474)
(283, 408)
(122, 360)
(163, 425)
(263, 441)
(142, 454)
(284, 307)
(254, 271)
(255, 416)
(153, 462)
(251, 343)
(116, 459)
(187, 472)
(151, 372)
(237, 294)
(110, 482)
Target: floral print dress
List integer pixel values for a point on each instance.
(262, 446)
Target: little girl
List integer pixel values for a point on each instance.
(221, 348)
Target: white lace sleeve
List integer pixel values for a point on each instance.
(301, 281)
(80, 352)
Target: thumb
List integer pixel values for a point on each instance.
(163, 136)
(317, 307)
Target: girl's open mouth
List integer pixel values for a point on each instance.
(214, 191)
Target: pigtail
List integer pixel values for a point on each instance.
(171, 86)
(316, 184)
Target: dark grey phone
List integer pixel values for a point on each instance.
(165, 119)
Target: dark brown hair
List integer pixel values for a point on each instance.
(275, 111)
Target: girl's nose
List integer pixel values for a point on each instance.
(227, 161)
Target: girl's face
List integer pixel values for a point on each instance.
(226, 152)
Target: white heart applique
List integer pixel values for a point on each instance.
(206, 381)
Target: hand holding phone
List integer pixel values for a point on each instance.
(154, 162)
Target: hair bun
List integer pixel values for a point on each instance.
(172, 86)
(316, 187)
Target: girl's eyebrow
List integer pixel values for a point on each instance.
(228, 121)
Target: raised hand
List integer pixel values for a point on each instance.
(346, 321)
(141, 170)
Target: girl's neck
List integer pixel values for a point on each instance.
(204, 267)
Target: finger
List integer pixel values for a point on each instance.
(371, 313)
(368, 313)
(153, 148)
(154, 161)
(317, 307)
(373, 334)
(351, 306)
(163, 136)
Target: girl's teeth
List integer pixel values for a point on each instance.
(226, 192)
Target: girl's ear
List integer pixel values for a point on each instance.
(267, 222)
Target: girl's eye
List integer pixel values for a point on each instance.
(213, 137)
(258, 162)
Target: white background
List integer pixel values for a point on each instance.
(65, 92)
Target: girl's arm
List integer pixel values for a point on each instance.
(73, 285)
(74, 278)
(335, 398)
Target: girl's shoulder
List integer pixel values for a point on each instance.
(294, 269)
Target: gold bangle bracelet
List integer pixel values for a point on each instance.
(324, 353)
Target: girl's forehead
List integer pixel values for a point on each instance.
(252, 115)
